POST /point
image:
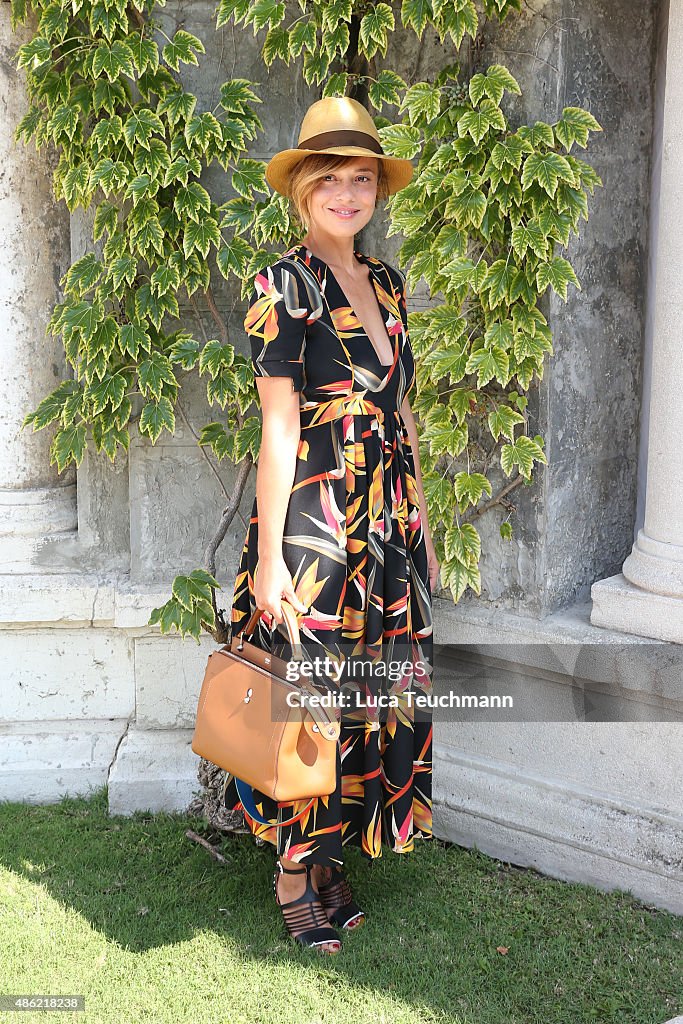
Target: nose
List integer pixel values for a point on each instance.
(344, 191)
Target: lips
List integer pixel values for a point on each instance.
(342, 212)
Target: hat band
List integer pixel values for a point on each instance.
(341, 137)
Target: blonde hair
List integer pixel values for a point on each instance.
(307, 174)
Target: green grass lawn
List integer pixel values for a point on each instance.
(140, 920)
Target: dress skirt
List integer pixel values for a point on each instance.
(354, 543)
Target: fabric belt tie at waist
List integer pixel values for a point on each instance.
(343, 405)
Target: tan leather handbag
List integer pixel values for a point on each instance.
(245, 725)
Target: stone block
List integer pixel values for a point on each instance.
(154, 770)
(66, 674)
(169, 673)
(44, 761)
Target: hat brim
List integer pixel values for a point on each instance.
(399, 172)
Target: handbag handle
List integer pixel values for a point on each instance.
(244, 790)
(291, 625)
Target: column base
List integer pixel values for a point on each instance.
(619, 604)
(33, 520)
(655, 566)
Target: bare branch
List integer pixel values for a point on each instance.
(497, 499)
(229, 512)
(220, 322)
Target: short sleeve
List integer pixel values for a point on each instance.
(276, 324)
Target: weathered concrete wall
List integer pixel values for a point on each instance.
(116, 702)
(575, 524)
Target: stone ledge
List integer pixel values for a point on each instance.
(554, 650)
(86, 599)
(560, 828)
(620, 605)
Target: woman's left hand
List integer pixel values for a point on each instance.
(432, 563)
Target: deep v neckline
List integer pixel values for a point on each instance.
(362, 259)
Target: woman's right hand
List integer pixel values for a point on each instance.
(272, 582)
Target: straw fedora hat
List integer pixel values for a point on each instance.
(341, 126)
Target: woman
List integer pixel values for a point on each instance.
(339, 525)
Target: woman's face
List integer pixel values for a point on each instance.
(344, 200)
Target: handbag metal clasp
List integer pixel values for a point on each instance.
(247, 698)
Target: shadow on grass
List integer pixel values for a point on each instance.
(448, 929)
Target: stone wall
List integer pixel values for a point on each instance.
(92, 695)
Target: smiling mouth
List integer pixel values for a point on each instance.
(341, 212)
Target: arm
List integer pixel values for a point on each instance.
(411, 427)
(280, 435)
(407, 414)
(276, 325)
(274, 478)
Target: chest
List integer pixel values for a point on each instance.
(359, 313)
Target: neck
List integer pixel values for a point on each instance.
(337, 252)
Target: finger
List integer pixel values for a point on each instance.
(291, 596)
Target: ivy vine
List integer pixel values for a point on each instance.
(480, 223)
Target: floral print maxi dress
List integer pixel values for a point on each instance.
(354, 544)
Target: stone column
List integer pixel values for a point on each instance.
(647, 597)
(37, 506)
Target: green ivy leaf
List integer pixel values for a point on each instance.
(181, 48)
(68, 445)
(64, 121)
(114, 60)
(233, 257)
(83, 275)
(522, 453)
(215, 357)
(110, 391)
(463, 542)
(547, 169)
(276, 45)
(177, 106)
(153, 373)
(557, 273)
(132, 338)
(155, 417)
(488, 363)
(52, 406)
(266, 12)
(235, 9)
(400, 140)
(336, 85)
(502, 419)
(202, 129)
(106, 20)
(184, 350)
(237, 96)
(302, 35)
(145, 52)
(422, 101)
(416, 14)
(574, 126)
(221, 443)
(139, 127)
(201, 236)
(375, 26)
(190, 200)
(386, 89)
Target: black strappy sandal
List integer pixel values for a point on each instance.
(306, 910)
(336, 898)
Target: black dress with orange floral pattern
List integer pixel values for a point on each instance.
(354, 543)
